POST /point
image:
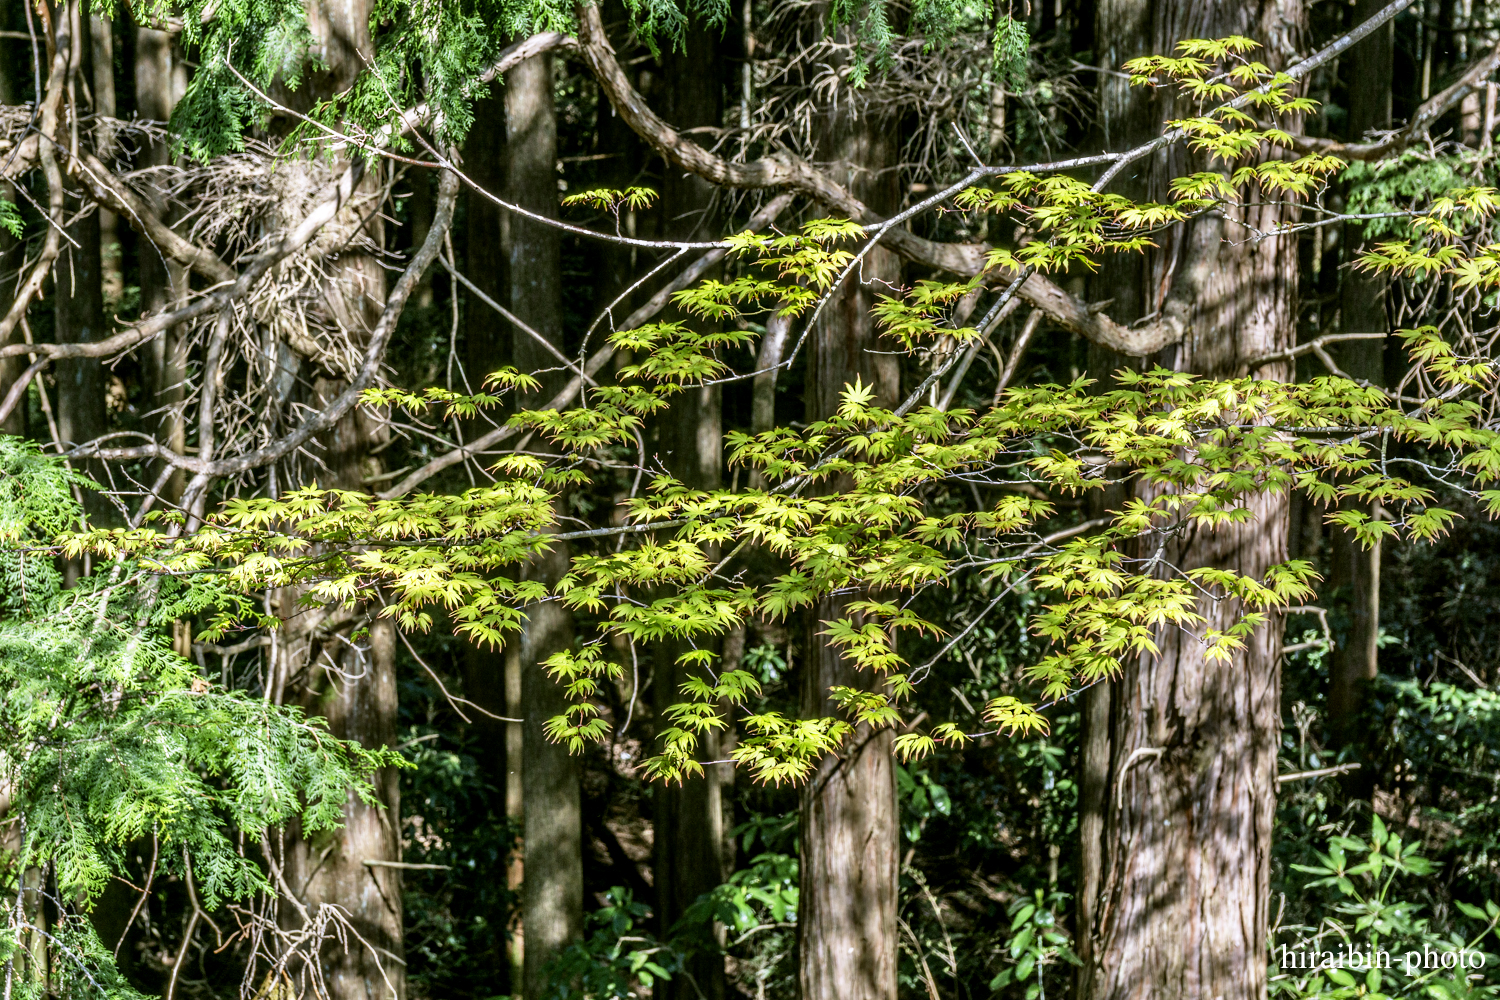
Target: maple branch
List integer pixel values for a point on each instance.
(788, 171)
(596, 361)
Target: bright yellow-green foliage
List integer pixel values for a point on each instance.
(1206, 446)
(1079, 223)
(842, 506)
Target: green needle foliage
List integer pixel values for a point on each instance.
(107, 737)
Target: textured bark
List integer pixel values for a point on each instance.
(486, 338)
(492, 677)
(533, 249)
(515, 808)
(160, 80)
(1182, 907)
(846, 915)
(354, 687)
(486, 348)
(355, 690)
(351, 682)
(689, 827)
(1122, 29)
(552, 904)
(1355, 570)
(103, 84)
(846, 920)
(79, 300)
(1093, 811)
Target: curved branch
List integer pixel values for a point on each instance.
(51, 106)
(1316, 346)
(1415, 130)
(334, 197)
(346, 400)
(111, 192)
(18, 387)
(596, 361)
(785, 170)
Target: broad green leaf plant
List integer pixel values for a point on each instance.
(1372, 940)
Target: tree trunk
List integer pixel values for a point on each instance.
(353, 684)
(552, 905)
(492, 677)
(689, 822)
(79, 310)
(846, 920)
(552, 896)
(11, 253)
(486, 337)
(103, 83)
(357, 695)
(1181, 909)
(1132, 285)
(160, 80)
(350, 680)
(1355, 576)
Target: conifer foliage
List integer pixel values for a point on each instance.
(109, 739)
(116, 744)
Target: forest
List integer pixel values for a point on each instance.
(759, 500)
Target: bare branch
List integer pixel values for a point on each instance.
(515, 321)
(596, 361)
(1415, 130)
(1316, 346)
(112, 193)
(346, 400)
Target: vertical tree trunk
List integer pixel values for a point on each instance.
(1355, 575)
(103, 83)
(1122, 31)
(79, 304)
(486, 338)
(492, 677)
(689, 822)
(11, 251)
(1182, 907)
(552, 907)
(357, 695)
(846, 920)
(160, 80)
(351, 680)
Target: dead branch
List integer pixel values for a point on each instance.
(205, 468)
(1415, 130)
(110, 192)
(785, 170)
(1316, 346)
(595, 363)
